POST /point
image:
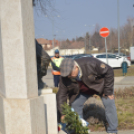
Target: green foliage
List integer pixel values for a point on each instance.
(73, 121)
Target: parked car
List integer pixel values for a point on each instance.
(113, 60)
(76, 55)
(83, 55)
(123, 55)
(67, 56)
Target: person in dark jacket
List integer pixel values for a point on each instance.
(82, 78)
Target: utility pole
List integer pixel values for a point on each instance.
(53, 32)
(133, 35)
(85, 45)
(118, 19)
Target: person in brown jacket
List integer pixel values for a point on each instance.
(82, 78)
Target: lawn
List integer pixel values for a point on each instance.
(124, 100)
(118, 71)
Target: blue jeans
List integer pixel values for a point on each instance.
(110, 110)
(56, 80)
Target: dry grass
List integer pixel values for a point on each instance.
(125, 108)
(118, 72)
(95, 115)
(55, 90)
(124, 100)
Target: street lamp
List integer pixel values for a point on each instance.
(53, 29)
(133, 35)
(118, 21)
(89, 37)
(58, 16)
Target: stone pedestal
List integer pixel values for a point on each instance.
(62, 132)
(21, 110)
(45, 91)
(22, 116)
(50, 107)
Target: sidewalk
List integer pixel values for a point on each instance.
(120, 132)
(122, 82)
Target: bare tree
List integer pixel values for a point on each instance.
(87, 38)
(73, 40)
(96, 39)
(46, 7)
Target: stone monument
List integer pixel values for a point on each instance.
(43, 60)
(22, 111)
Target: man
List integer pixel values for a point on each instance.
(80, 79)
(56, 73)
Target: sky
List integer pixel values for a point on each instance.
(71, 16)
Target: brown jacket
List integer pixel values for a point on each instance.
(96, 75)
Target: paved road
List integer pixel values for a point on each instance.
(120, 82)
(48, 79)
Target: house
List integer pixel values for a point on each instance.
(66, 48)
(48, 44)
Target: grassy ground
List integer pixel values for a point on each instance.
(124, 101)
(125, 108)
(118, 71)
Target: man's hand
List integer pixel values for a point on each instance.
(111, 97)
(62, 118)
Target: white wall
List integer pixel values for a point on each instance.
(66, 51)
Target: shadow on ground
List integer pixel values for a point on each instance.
(94, 112)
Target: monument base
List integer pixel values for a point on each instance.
(45, 91)
(50, 107)
(22, 116)
(62, 132)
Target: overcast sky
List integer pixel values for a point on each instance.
(72, 15)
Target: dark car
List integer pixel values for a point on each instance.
(82, 55)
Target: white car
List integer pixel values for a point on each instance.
(113, 60)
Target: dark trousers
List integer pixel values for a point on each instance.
(110, 110)
(56, 80)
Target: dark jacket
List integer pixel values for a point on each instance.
(96, 75)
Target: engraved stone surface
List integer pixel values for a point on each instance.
(2, 119)
(22, 116)
(18, 49)
(62, 132)
(45, 91)
(21, 109)
(2, 91)
(50, 113)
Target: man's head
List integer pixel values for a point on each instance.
(68, 68)
(56, 53)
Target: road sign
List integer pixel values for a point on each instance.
(104, 32)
